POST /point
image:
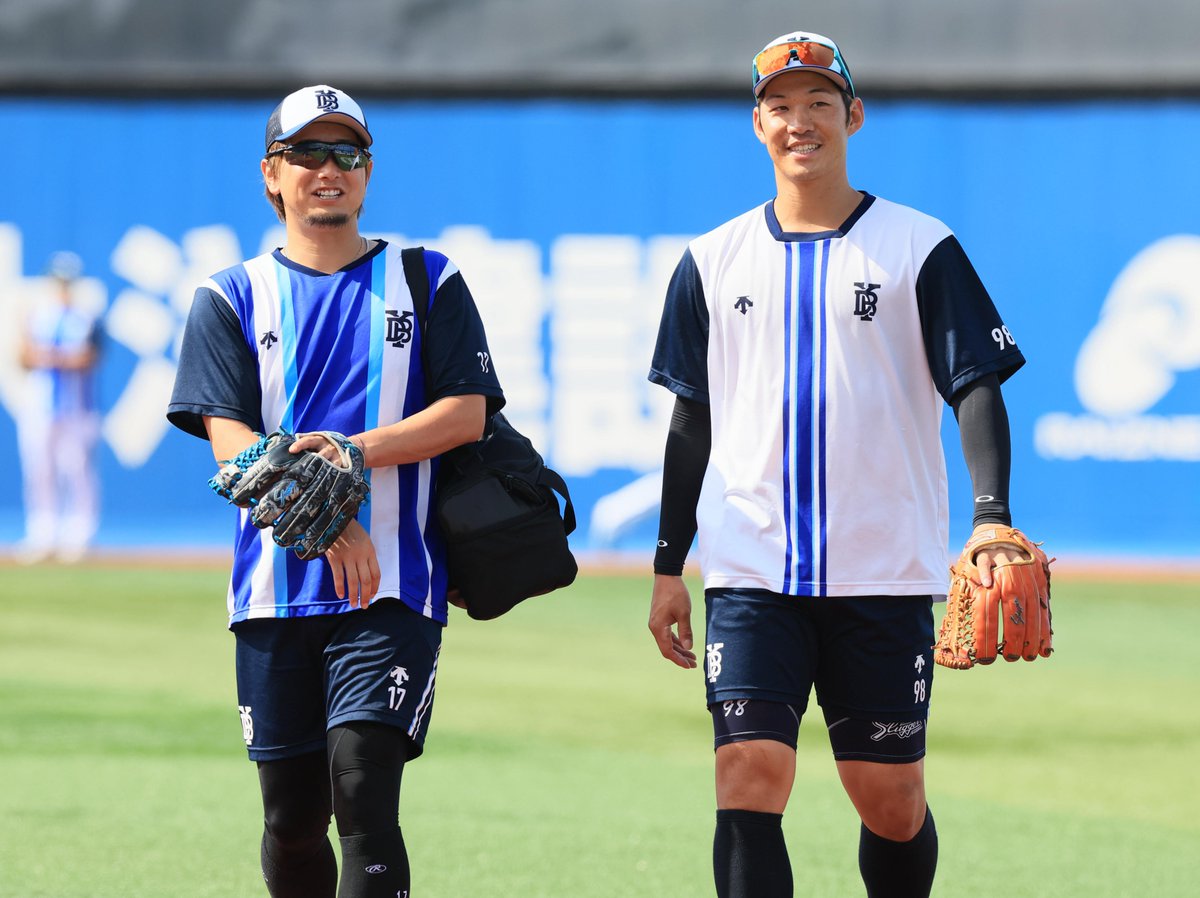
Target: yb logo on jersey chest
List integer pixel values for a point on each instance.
(399, 328)
(866, 300)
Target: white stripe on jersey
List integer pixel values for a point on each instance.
(384, 506)
(264, 287)
(269, 566)
(422, 511)
(426, 701)
(448, 272)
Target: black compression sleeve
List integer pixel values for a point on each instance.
(684, 463)
(983, 428)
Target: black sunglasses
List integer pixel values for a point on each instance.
(311, 154)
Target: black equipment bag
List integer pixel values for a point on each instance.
(506, 539)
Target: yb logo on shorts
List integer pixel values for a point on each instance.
(713, 660)
(399, 328)
(247, 723)
(865, 299)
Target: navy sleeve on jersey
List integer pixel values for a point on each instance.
(680, 360)
(457, 358)
(217, 375)
(95, 338)
(965, 337)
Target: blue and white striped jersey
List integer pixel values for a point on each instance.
(58, 392)
(825, 359)
(276, 345)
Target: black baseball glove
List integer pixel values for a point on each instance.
(306, 499)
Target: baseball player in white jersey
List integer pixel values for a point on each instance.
(336, 657)
(811, 344)
(58, 422)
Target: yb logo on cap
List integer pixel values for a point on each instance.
(327, 100)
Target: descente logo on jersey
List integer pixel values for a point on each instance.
(865, 299)
(268, 340)
(399, 328)
(743, 304)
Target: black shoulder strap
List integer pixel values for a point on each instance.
(415, 273)
(413, 259)
(417, 276)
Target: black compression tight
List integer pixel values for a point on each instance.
(297, 859)
(357, 781)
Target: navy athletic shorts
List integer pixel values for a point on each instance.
(299, 677)
(868, 657)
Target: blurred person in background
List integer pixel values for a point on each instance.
(811, 344)
(58, 422)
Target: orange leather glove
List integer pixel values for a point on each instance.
(1010, 618)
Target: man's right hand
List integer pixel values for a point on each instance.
(671, 620)
(354, 565)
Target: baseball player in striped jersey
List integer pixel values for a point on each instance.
(812, 343)
(58, 421)
(336, 657)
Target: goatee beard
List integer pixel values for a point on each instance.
(327, 220)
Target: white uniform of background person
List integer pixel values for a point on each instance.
(57, 419)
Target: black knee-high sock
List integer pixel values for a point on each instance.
(899, 869)
(750, 858)
(374, 866)
(290, 873)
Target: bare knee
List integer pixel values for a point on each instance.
(889, 798)
(755, 775)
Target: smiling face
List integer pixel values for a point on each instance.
(326, 197)
(802, 120)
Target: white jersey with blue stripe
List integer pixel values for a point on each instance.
(279, 346)
(825, 360)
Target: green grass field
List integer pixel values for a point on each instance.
(567, 759)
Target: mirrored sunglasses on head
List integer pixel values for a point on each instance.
(311, 154)
(799, 54)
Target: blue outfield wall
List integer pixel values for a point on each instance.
(567, 218)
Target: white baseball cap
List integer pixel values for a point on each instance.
(800, 50)
(65, 265)
(320, 102)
